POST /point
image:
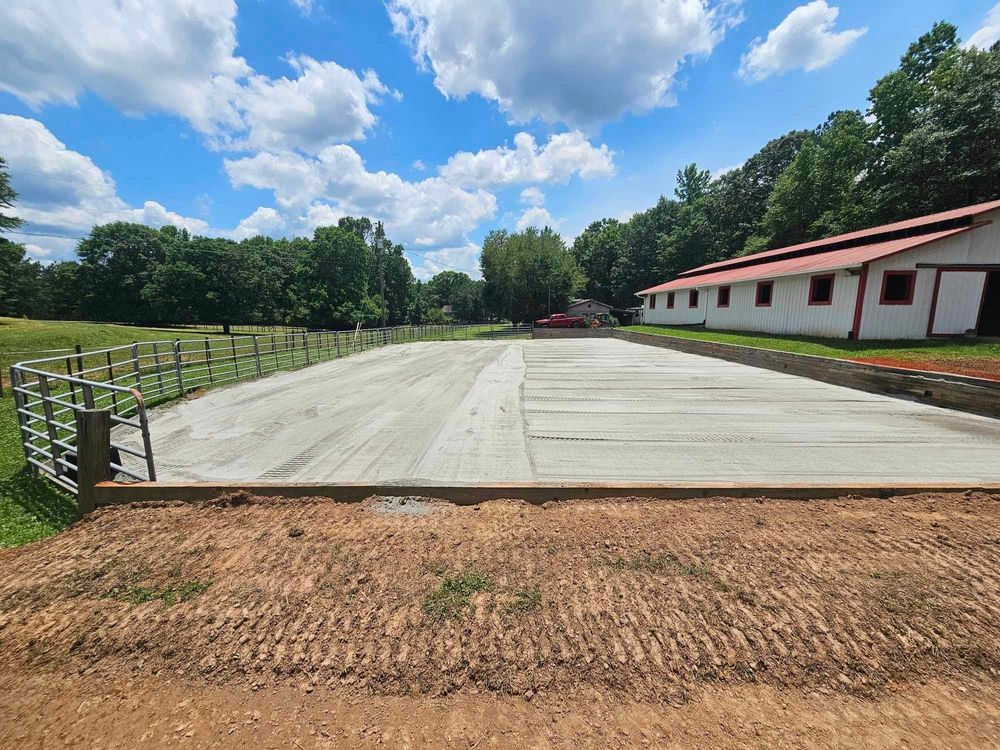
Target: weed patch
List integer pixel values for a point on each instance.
(453, 596)
(169, 596)
(525, 600)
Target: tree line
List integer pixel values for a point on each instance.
(928, 141)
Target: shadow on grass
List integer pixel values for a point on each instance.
(32, 508)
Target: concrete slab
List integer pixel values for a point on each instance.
(549, 410)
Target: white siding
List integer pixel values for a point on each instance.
(790, 311)
(960, 295)
(980, 246)
(680, 315)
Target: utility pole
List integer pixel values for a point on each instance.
(380, 252)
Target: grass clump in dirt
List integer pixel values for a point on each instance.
(524, 601)
(170, 595)
(453, 595)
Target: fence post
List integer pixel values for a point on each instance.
(111, 380)
(177, 366)
(236, 364)
(256, 354)
(208, 360)
(305, 345)
(22, 420)
(79, 358)
(134, 349)
(336, 342)
(93, 455)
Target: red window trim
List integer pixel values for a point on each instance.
(694, 297)
(670, 300)
(756, 294)
(812, 287)
(911, 287)
(729, 295)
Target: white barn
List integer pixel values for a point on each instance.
(937, 275)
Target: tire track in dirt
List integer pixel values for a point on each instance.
(650, 599)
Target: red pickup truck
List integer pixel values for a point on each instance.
(560, 321)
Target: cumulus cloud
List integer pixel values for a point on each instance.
(987, 34)
(179, 58)
(581, 66)
(325, 104)
(565, 155)
(465, 257)
(536, 216)
(142, 55)
(63, 191)
(264, 220)
(426, 213)
(532, 196)
(804, 40)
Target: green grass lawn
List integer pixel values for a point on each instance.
(924, 350)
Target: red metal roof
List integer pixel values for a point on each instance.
(829, 261)
(957, 213)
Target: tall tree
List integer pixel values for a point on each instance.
(527, 274)
(692, 183)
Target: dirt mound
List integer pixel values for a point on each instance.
(623, 598)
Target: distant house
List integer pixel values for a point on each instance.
(588, 307)
(936, 275)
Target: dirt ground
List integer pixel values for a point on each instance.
(976, 367)
(615, 623)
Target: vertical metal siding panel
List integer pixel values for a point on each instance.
(959, 298)
(680, 315)
(790, 311)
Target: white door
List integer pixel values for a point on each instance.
(959, 296)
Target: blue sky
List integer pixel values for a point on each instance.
(443, 118)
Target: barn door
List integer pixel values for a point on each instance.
(957, 303)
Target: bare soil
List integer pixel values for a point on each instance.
(614, 623)
(976, 367)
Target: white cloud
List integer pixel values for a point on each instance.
(325, 104)
(425, 213)
(305, 6)
(264, 220)
(580, 65)
(140, 55)
(536, 216)
(563, 156)
(61, 191)
(804, 40)
(179, 58)
(532, 196)
(419, 165)
(987, 34)
(465, 257)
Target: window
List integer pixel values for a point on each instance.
(693, 298)
(670, 300)
(821, 290)
(897, 287)
(722, 297)
(765, 290)
(652, 302)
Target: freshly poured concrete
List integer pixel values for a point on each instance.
(564, 409)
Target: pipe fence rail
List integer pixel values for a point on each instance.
(126, 380)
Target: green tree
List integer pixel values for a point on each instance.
(527, 274)
(692, 183)
(598, 250)
(7, 197)
(116, 262)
